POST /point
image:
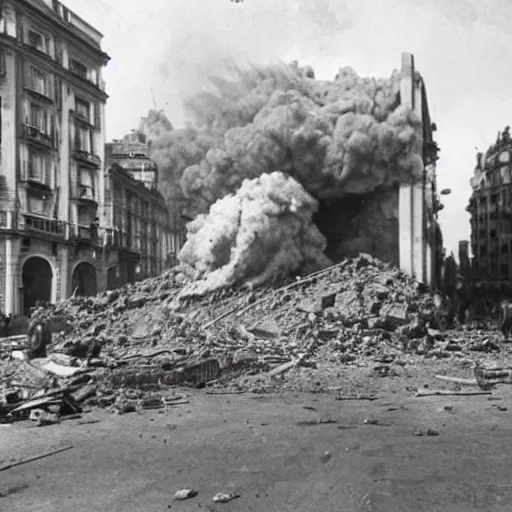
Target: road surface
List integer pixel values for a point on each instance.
(267, 449)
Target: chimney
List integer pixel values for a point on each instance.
(479, 160)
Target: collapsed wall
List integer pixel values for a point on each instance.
(349, 144)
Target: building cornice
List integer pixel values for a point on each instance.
(72, 32)
(154, 195)
(48, 63)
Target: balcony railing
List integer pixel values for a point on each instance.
(44, 224)
(85, 156)
(35, 134)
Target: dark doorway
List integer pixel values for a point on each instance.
(37, 278)
(84, 280)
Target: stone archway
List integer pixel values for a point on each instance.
(37, 276)
(84, 280)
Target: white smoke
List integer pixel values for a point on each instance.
(261, 233)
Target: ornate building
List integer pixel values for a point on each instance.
(136, 217)
(490, 207)
(52, 153)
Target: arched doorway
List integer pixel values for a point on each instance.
(37, 278)
(84, 280)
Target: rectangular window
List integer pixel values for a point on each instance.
(39, 168)
(38, 118)
(504, 270)
(38, 81)
(83, 138)
(83, 109)
(36, 40)
(78, 68)
(36, 205)
(86, 184)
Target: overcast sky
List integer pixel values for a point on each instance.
(462, 49)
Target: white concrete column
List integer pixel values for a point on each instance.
(418, 240)
(405, 228)
(10, 277)
(412, 249)
(64, 274)
(55, 284)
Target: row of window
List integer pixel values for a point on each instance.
(483, 249)
(45, 43)
(491, 271)
(504, 197)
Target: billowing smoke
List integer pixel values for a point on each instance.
(339, 140)
(262, 232)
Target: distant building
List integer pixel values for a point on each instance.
(52, 143)
(464, 260)
(136, 221)
(490, 207)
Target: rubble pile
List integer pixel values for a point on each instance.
(133, 346)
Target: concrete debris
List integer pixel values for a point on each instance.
(223, 497)
(185, 494)
(124, 346)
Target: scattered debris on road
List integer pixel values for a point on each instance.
(185, 494)
(457, 380)
(36, 457)
(319, 421)
(222, 497)
(445, 392)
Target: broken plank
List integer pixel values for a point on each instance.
(36, 457)
(457, 380)
(213, 392)
(284, 367)
(180, 402)
(438, 392)
(368, 398)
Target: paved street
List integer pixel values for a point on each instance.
(266, 449)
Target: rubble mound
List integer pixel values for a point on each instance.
(148, 337)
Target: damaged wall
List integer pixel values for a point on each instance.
(350, 144)
(362, 224)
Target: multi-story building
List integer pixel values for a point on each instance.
(139, 238)
(52, 104)
(490, 207)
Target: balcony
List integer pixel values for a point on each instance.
(82, 117)
(34, 134)
(45, 225)
(84, 193)
(41, 93)
(86, 157)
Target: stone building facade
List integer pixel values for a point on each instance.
(138, 230)
(490, 207)
(52, 153)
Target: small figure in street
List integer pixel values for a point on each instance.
(39, 337)
(94, 229)
(7, 322)
(505, 319)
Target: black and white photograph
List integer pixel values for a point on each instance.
(255, 255)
